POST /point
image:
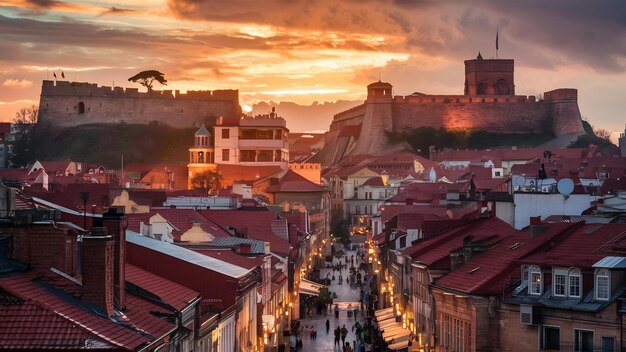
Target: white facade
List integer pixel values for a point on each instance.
(252, 141)
(546, 204)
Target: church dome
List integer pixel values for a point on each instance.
(379, 84)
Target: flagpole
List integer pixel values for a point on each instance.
(497, 35)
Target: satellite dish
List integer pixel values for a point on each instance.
(565, 186)
(518, 181)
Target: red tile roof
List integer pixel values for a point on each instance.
(583, 247)
(176, 295)
(254, 224)
(24, 287)
(182, 219)
(491, 272)
(505, 154)
(294, 182)
(236, 173)
(13, 174)
(375, 182)
(27, 325)
(491, 230)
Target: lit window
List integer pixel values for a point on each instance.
(574, 283)
(602, 284)
(560, 277)
(535, 285)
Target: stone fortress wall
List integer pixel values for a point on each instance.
(67, 104)
(557, 112)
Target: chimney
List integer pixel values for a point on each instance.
(536, 227)
(267, 247)
(97, 257)
(245, 248)
(113, 221)
(535, 220)
(456, 260)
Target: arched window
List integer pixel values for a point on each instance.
(535, 284)
(201, 157)
(573, 278)
(502, 87)
(81, 107)
(481, 89)
(603, 285)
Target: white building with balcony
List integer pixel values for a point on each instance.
(252, 141)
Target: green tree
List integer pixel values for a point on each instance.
(147, 78)
(23, 148)
(209, 181)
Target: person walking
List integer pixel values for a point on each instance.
(327, 326)
(347, 348)
(336, 311)
(337, 336)
(344, 333)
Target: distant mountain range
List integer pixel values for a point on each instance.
(306, 118)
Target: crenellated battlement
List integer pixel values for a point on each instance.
(66, 103)
(84, 89)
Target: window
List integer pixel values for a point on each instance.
(550, 338)
(446, 331)
(535, 285)
(583, 340)
(225, 133)
(574, 283)
(458, 335)
(560, 277)
(81, 108)
(225, 155)
(602, 284)
(608, 344)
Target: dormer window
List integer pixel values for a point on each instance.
(559, 284)
(603, 284)
(574, 282)
(535, 285)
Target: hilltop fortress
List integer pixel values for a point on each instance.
(489, 103)
(65, 103)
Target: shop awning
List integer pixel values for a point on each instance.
(383, 311)
(309, 287)
(382, 318)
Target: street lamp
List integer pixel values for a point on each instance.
(84, 196)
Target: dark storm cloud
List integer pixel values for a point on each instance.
(42, 4)
(538, 33)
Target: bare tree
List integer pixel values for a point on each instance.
(602, 133)
(209, 181)
(27, 115)
(22, 150)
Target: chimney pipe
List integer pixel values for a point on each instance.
(113, 221)
(97, 257)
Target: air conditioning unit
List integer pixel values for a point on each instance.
(529, 315)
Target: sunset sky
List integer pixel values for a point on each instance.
(317, 50)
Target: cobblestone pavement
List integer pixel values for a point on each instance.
(345, 296)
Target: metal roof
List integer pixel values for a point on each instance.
(186, 255)
(257, 247)
(611, 262)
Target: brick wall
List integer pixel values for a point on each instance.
(44, 247)
(98, 255)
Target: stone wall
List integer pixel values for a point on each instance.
(73, 103)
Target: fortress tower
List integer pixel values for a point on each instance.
(489, 77)
(376, 120)
(201, 154)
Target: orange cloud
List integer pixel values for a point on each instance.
(17, 83)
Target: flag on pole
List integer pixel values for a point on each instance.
(63, 73)
(497, 39)
(54, 74)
